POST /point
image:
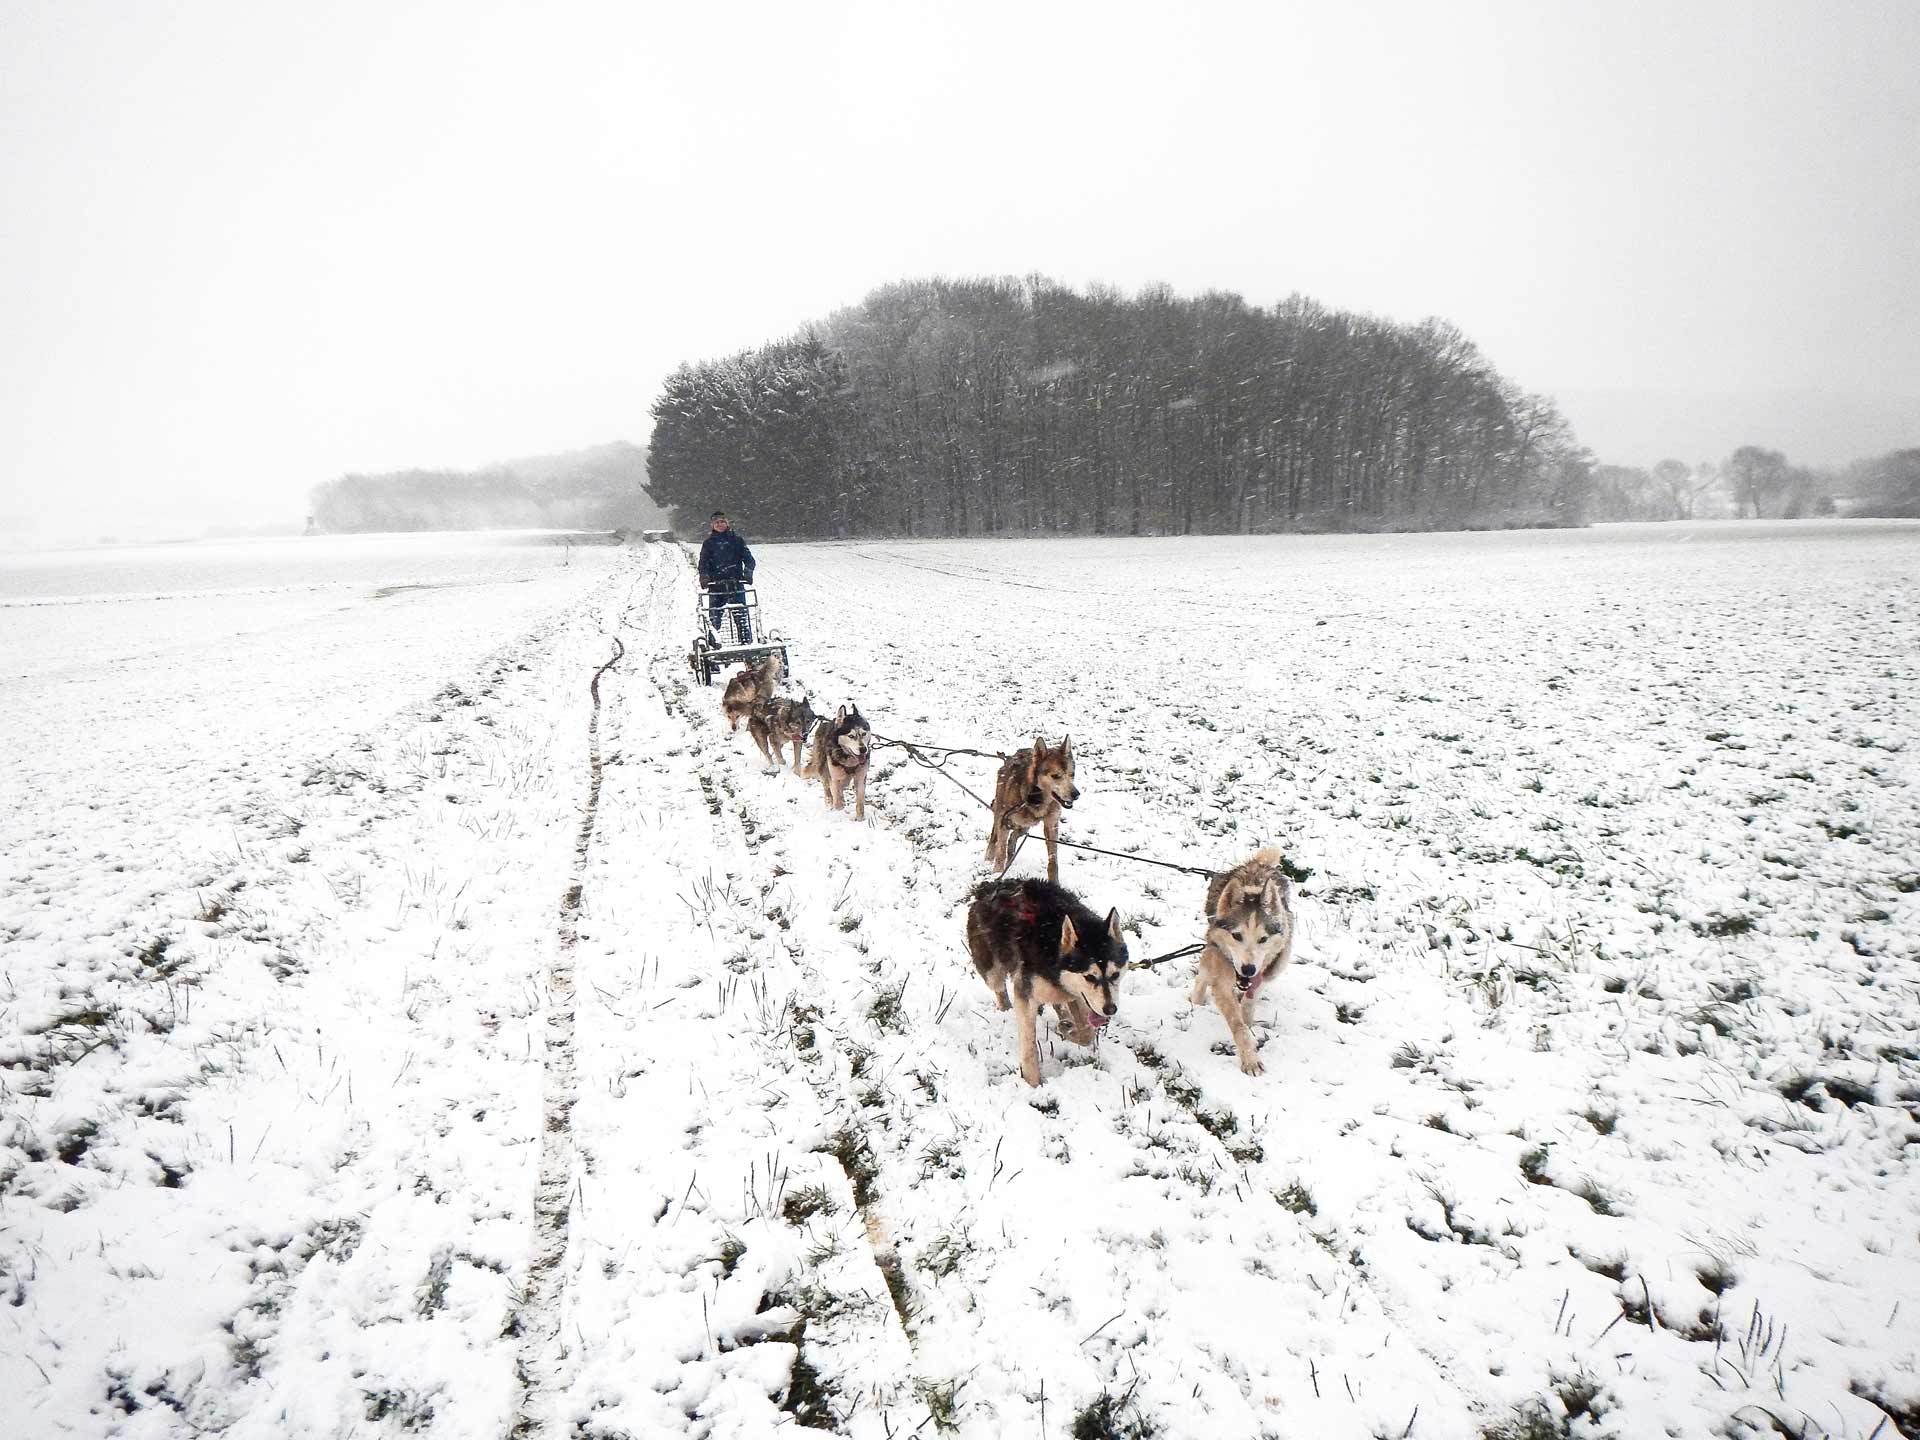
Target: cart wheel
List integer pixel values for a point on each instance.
(706, 672)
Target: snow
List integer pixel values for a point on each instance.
(1604, 998)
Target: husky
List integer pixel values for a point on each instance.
(842, 747)
(749, 686)
(1249, 941)
(1032, 788)
(1052, 950)
(777, 721)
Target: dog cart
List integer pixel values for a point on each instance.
(737, 636)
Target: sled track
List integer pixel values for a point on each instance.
(542, 1353)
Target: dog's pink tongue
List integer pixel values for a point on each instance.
(1099, 1020)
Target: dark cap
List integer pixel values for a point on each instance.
(717, 515)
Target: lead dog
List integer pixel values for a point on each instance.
(1249, 941)
(1038, 939)
(1034, 785)
(841, 752)
(778, 722)
(749, 686)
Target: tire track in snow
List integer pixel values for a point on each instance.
(542, 1354)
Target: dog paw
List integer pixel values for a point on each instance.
(1031, 1076)
(1251, 1065)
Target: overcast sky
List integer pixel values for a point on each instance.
(246, 246)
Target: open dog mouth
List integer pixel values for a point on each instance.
(1098, 1021)
(1244, 983)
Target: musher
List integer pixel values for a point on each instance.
(726, 569)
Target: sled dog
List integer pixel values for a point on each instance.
(1249, 941)
(749, 686)
(1032, 788)
(779, 721)
(1038, 939)
(841, 750)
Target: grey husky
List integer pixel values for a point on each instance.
(779, 721)
(842, 750)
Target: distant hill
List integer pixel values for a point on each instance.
(601, 488)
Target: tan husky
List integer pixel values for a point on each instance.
(749, 686)
(1249, 941)
(1032, 788)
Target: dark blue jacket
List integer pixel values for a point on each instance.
(725, 558)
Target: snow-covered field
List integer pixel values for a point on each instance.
(360, 1079)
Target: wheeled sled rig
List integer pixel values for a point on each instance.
(737, 636)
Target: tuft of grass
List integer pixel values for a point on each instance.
(1533, 1165)
(802, 1205)
(1600, 1200)
(1534, 1420)
(945, 1254)
(731, 1249)
(1182, 1091)
(800, 1026)
(1601, 1120)
(1722, 927)
(1298, 874)
(940, 1157)
(809, 1398)
(942, 1399)
(1218, 1123)
(1297, 1198)
(849, 1146)
(1113, 1417)
(405, 1409)
(153, 955)
(887, 1012)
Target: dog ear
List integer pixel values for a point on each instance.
(1113, 927)
(1069, 937)
(1033, 762)
(839, 714)
(1066, 747)
(1273, 895)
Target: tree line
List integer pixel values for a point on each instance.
(601, 488)
(1755, 482)
(991, 406)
